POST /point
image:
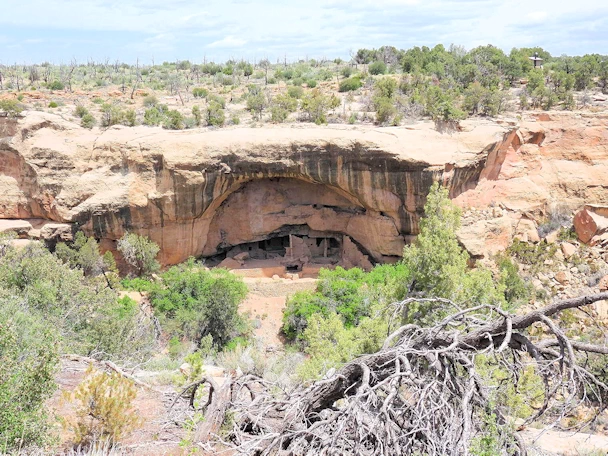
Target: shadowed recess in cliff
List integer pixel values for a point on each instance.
(275, 208)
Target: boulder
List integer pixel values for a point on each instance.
(230, 263)
(56, 232)
(20, 227)
(562, 277)
(603, 283)
(568, 249)
(552, 237)
(241, 257)
(526, 231)
(591, 221)
(486, 237)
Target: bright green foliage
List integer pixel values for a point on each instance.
(481, 100)
(105, 412)
(28, 359)
(281, 106)
(439, 266)
(441, 105)
(153, 117)
(87, 121)
(193, 302)
(316, 105)
(350, 84)
(199, 92)
(56, 85)
(196, 113)
(330, 344)
(348, 293)
(84, 254)
(85, 311)
(295, 92)
(113, 114)
(215, 114)
(53, 104)
(256, 101)
(140, 253)
(174, 120)
(130, 118)
(11, 107)
(377, 68)
(516, 289)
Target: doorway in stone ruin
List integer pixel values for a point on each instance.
(291, 247)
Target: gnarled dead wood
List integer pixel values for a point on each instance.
(420, 394)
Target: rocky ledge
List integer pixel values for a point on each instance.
(204, 192)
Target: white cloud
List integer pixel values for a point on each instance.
(228, 42)
(317, 28)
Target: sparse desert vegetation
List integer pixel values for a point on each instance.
(343, 294)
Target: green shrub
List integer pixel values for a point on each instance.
(316, 105)
(28, 361)
(53, 104)
(139, 253)
(193, 302)
(235, 119)
(87, 121)
(377, 68)
(111, 114)
(311, 83)
(533, 255)
(85, 310)
(129, 118)
(97, 100)
(150, 100)
(105, 412)
(215, 114)
(516, 289)
(56, 85)
(81, 111)
(174, 120)
(439, 265)
(295, 92)
(350, 84)
(281, 106)
(385, 110)
(11, 107)
(153, 117)
(347, 71)
(199, 92)
(211, 98)
(84, 254)
(256, 101)
(196, 113)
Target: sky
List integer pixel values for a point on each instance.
(59, 31)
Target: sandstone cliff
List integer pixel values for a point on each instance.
(199, 192)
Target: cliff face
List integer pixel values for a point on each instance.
(201, 192)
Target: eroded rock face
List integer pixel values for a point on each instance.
(197, 192)
(200, 192)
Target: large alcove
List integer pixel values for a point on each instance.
(291, 222)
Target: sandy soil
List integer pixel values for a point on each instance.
(158, 435)
(560, 443)
(265, 304)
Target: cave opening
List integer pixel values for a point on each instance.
(290, 246)
(288, 223)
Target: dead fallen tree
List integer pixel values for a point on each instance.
(420, 394)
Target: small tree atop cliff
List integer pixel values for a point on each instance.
(140, 253)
